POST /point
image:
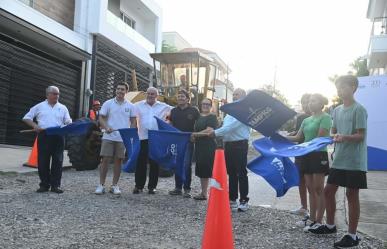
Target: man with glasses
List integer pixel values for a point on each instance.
(49, 113)
(146, 110)
(183, 117)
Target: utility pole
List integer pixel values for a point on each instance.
(274, 80)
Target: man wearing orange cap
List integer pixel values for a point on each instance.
(94, 112)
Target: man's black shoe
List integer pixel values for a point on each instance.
(137, 190)
(347, 242)
(152, 191)
(42, 189)
(57, 190)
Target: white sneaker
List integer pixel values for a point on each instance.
(243, 206)
(312, 225)
(300, 211)
(100, 190)
(304, 222)
(115, 190)
(234, 205)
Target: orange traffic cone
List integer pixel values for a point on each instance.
(218, 228)
(33, 159)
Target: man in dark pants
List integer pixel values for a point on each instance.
(236, 142)
(183, 117)
(146, 110)
(49, 113)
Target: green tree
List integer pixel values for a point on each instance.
(360, 67)
(167, 48)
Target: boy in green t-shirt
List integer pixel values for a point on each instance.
(349, 165)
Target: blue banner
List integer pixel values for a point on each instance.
(132, 145)
(78, 127)
(168, 149)
(164, 126)
(260, 111)
(278, 146)
(279, 172)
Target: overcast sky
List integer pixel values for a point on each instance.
(305, 40)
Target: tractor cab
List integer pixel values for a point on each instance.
(193, 71)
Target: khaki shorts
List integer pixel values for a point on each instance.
(112, 149)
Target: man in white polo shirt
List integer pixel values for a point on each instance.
(116, 113)
(146, 110)
(49, 113)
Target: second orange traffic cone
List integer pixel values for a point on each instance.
(33, 158)
(218, 228)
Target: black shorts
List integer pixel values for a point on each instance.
(298, 161)
(348, 178)
(316, 162)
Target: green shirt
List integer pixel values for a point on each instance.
(311, 126)
(350, 155)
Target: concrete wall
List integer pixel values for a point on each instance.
(61, 11)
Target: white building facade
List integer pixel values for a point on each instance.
(84, 47)
(377, 49)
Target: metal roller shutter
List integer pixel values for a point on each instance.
(5, 77)
(112, 67)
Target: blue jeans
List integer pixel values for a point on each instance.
(188, 169)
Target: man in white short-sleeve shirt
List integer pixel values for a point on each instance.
(116, 113)
(49, 113)
(146, 110)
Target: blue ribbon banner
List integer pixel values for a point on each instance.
(168, 148)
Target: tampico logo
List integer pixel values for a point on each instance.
(258, 116)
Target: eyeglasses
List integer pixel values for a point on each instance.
(206, 104)
(54, 93)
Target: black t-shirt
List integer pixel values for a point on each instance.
(184, 119)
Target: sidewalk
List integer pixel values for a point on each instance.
(373, 201)
(13, 157)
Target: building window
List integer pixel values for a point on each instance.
(129, 21)
(28, 2)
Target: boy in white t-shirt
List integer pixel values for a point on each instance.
(116, 113)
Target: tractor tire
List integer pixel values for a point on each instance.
(84, 150)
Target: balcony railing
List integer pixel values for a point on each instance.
(121, 26)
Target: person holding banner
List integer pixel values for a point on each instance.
(303, 210)
(349, 164)
(204, 147)
(183, 117)
(146, 111)
(315, 165)
(116, 113)
(49, 113)
(236, 143)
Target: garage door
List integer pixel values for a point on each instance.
(25, 73)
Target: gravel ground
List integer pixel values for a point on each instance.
(80, 219)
